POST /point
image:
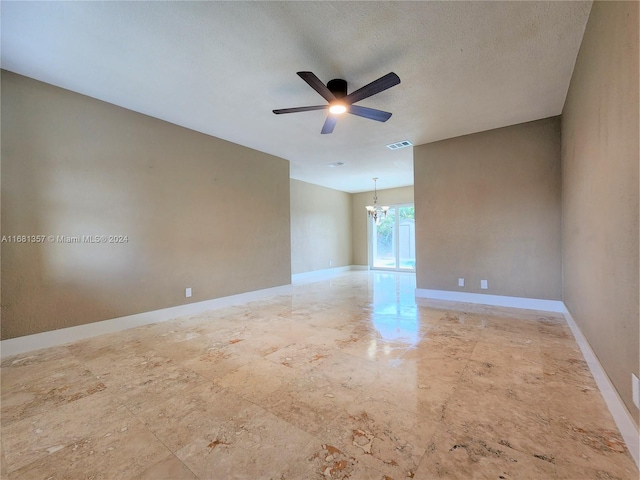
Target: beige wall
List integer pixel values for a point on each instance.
(320, 227)
(600, 191)
(389, 196)
(198, 211)
(488, 207)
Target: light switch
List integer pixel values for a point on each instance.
(484, 284)
(187, 292)
(461, 282)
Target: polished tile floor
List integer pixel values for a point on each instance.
(344, 378)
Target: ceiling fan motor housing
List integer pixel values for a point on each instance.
(338, 87)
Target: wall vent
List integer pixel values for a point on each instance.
(397, 145)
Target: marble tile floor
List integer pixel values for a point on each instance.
(344, 378)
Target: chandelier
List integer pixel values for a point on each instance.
(374, 210)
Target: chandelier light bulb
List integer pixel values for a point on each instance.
(374, 210)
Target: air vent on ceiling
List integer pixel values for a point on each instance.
(397, 145)
(335, 164)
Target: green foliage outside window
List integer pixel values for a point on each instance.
(385, 229)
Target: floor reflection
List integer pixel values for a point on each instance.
(395, 313)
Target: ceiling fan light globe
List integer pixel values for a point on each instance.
(337, 109)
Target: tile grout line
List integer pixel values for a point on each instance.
(159, 440)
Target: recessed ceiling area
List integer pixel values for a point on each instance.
(221, 68)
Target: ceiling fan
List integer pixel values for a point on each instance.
(335, 92)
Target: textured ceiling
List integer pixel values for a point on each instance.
(221, 67)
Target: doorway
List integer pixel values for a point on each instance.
(393, 240)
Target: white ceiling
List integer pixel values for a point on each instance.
(221, 67)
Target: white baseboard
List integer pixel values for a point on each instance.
(15, 346)
(496, 300)
(315, 275)
(617, 408)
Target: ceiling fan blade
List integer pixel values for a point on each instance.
(300, 109)
(315, 83)
(329, 124)
(370, 113)
(377, 86)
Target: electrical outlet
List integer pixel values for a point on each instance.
(187, 292)
(635, 390)
(330, 263)
(484, 284)
(461, 282)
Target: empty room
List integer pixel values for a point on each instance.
(319, 240)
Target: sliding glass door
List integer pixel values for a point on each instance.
(384, 241)
(392, 240)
